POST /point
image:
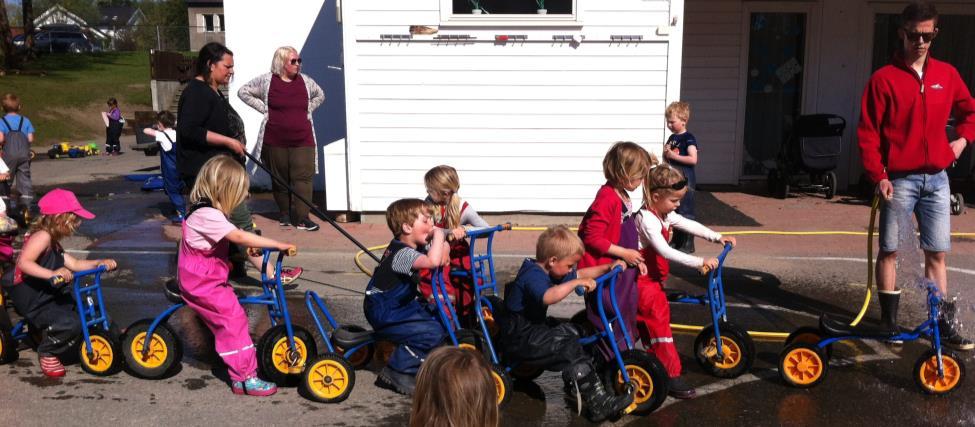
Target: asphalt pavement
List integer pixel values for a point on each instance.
(774, 283)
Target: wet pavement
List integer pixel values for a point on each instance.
(774, 283)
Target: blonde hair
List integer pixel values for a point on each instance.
(659, 180)
(680, 109)
(11, 103)
(405, 211)
(280, 58)
(222, 181)
(445, 178)
(58, 226)
(625, 161)
(454, 388)
(559, 242)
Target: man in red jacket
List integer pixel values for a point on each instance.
(905, 150)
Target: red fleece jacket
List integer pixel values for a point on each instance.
(903, 118)
(601, 227)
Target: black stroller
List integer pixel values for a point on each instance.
(813, 148)
(959, 173)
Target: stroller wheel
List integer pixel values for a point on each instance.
(829, 180)
(957, 204)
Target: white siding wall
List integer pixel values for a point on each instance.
(526, 124)
(710, 81)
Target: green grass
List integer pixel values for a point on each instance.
(65, 102)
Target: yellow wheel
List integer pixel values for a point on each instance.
(362, 356)
(738, 351)
(329, 378)
(105, 357)
(277, 361)
(165, 351)
(472, 340)
(802, 365)
(926, 373)
(809, 335)
(502, 384)
(648, 381)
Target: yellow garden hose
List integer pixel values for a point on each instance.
(756, 334)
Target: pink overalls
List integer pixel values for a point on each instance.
(203, 280)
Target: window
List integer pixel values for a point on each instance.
(223, 27)
(509, 12)
(513, 7)
(954, 45)
(208, 22)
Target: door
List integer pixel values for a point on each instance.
(775, 82)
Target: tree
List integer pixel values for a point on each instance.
(27, 7)
(6, 42)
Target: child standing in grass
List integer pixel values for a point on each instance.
(113, 128)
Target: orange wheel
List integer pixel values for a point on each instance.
(926, 373)
(802, 365)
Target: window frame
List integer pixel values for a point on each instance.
(448, 18)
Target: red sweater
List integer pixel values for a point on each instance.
(600, 228)
(903, 118)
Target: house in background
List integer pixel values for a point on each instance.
(206, 21)
(118, 22)
(58, 15)
(525, 104)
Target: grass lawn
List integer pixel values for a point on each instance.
(65, 103)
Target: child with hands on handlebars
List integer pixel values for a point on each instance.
(42, 269)
(662, 191)
(204, 267)
(529, 338)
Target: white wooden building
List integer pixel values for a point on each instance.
(525, 105)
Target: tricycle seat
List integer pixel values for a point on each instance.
(350, 336)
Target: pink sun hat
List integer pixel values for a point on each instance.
(59, 201)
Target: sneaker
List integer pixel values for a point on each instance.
(289, 275)
(679, 389)
(51, 366)
(254, 386)
(307, 225)
(395, 381)
(284, 221)
(956, 341)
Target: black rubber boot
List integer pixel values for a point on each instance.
(889, 301)
(582, 381)
(949, 334)
(688, 247)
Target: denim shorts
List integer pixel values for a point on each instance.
(928, 197)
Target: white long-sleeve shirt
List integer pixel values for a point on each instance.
(650, 236)
(3, 169)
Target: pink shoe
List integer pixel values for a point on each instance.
(289, 275)
(254, 386)
(51, 366)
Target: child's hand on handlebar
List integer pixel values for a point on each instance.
(286, 247)
(710, 264)
(458, 233)
(109, 264)
(726, 240)
(618, 263)
(589, 284)
(64, 273)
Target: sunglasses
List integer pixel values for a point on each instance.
(296, 61)
(677, 186)
(925, 37)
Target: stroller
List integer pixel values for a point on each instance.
(813, 148)
(959, 173)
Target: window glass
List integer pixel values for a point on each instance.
(223, 26)
(208, 22)
(511, 7)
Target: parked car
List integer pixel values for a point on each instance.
(62, 41)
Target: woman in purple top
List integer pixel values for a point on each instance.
(286, 142)
(113, 128)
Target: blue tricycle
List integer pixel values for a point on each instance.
(100, 353)
(723, 349)
(805, 360)
(152, 350)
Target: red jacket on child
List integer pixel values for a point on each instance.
(903, 118)
(600, 228)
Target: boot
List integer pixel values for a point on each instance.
(889, 300)
(600, 404)
(949, 334)
(688, 247)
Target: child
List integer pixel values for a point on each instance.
(113, 128)
(18, 135)
(203, 268)
(542, 282)
(46, 306)
(609, 229)
(681, 152)
(392, 305)
(454, 388)
(165, 135)
(661, 197)
(451, 214)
